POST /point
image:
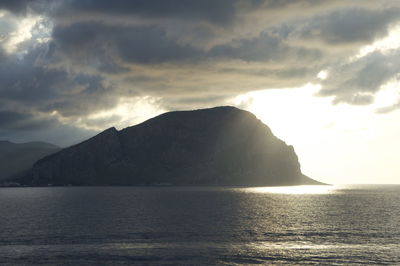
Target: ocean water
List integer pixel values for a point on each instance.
(200, 225)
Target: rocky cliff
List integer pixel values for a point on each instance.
(217, 146)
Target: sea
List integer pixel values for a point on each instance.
(301, 225)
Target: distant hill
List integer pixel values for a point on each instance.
(17, 158)
(217, 146)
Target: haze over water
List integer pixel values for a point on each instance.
(200, 225)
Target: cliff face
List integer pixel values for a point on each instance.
(217, 146)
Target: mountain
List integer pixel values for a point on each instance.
(18, 158)
(217, 146)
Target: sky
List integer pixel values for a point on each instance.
(323, 75)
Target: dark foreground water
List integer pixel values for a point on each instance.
(191, 226)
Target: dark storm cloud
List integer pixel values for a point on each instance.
(217, 11)
(356, 82)
(263, 48)
(30, 93)
(15, 5)
(351, 25)
(24, 82)
(3, 56)
(85, 94)
(27, 84)
(184, 53)
(22, 7)
(22, 121)
(221, 12)
(17, 126)
(97, 41)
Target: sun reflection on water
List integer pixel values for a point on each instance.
(293, 190)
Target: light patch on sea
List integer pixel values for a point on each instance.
(200, 225)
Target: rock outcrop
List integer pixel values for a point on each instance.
(217, 146)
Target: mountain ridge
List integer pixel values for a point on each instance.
(214, 146)
(17, 158)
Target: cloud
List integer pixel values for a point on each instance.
(80, 59)
(16, 126)
(20, 121)
(347, 26)
(27, 86)
(99, 41)
(15, 5)
(388, 109)
(107, 44)
(264, 48)
(220, 11)
(356, 82)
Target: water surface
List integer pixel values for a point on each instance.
(200, 225)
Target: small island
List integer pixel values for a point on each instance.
(222, 146)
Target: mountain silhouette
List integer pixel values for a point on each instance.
(216, 146)
(18, 158)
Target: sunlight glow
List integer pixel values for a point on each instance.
(388, 95)
(335, 144)
(129, 112)
(390, 42)
(26, 32)
(323, 74)
(289, 111)
(293, 190)
(22, 33)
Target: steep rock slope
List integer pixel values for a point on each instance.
(217, 146)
